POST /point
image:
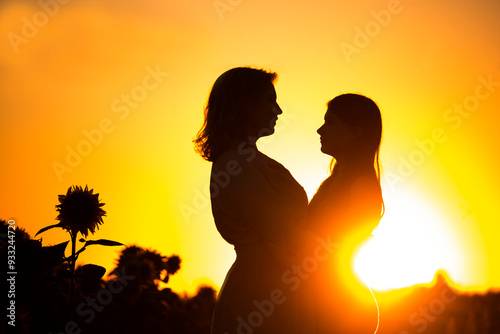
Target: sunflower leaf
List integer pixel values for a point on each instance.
(103, 242)
(59, 248)
(53, 255)
(93, 271)
(48, 228)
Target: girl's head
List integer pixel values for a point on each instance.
(352, 131)
(241, 104)
(351, 134)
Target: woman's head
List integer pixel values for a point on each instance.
(242, 103)
(352, 130)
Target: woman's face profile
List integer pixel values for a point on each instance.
(263, 113)
(335, 135)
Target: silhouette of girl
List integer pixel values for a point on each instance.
(345, 210)
(255, 203)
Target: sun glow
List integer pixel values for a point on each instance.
(410, 245)
(61, 75)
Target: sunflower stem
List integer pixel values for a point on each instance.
(72, 279)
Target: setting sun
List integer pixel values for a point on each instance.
(412, 242)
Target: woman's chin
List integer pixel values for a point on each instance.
(266, 132)
(326, 151)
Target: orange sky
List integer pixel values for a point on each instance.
(124, 84)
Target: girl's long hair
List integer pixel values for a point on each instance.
(357, 111)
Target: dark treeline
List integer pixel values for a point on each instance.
(130, 299)
(438, 309)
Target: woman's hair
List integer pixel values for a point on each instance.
(226, 109)
(357, 111)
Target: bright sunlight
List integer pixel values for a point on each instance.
(411, 243)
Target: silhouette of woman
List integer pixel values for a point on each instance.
(346, 208)
(255, 203)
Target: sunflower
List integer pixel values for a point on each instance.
(173, 264)
(80, 211)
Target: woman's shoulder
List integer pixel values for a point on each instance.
(245, 155)
(248, 167)
(230, 157)
(244, 163)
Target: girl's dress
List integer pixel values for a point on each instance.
(343, 213)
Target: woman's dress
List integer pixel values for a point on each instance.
(255, 204)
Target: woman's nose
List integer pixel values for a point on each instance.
(320, 130)
(277, 110)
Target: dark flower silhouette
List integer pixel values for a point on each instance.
(80, 211)
(156, 259)
(173, 264)
(148, 265)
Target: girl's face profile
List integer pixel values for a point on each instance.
(335, 136)
(263, 113)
